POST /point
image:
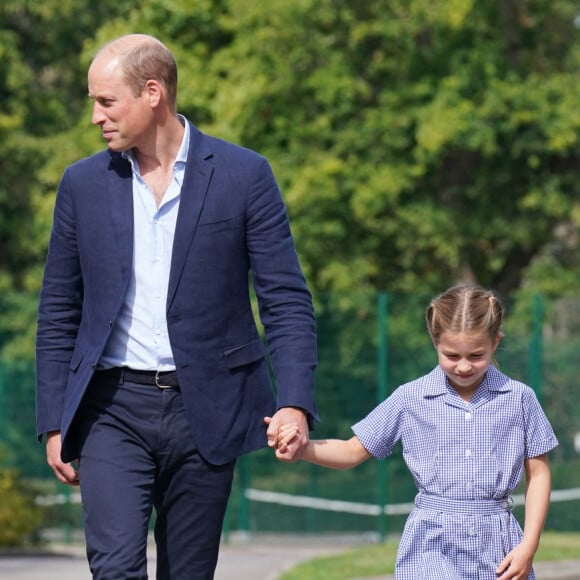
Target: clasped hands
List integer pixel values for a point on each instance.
(287, 433)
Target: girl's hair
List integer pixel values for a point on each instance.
(465, 309)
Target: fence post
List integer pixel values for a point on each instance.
(68, 526)
(536, 346)
(3, 405)
(381, 395)
(312, 514)
(226, 528)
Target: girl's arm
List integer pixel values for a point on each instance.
(333, 453)
(336, 453)
(518, 562)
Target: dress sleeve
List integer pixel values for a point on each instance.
(539, 436)
(382, 428)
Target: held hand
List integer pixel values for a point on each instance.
(517, 564)
(280, 440)
(287, 433)
(64, 472)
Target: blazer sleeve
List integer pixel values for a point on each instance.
(285, 303)
(59, 313)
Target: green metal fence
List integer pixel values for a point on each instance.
(368, 345)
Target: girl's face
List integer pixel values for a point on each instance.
(464, 358)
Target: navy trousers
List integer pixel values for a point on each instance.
(137, 453)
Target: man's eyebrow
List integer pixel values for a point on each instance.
(101, 97)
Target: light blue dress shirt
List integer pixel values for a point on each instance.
(139, 339)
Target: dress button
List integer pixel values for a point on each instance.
(468, 453)
(468, 416)
(471, 531)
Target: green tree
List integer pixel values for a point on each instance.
(20, 519)
(43, 95)
(418, 143)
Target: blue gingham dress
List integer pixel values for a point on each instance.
(466, 460)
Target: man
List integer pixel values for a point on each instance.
(151, 372)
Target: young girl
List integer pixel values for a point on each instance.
(468, 431)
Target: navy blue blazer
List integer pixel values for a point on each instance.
(231, 226)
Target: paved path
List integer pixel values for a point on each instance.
(241, 559)
(251, 559)
(268, 558)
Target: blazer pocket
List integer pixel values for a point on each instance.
(76, 360)
(214, 226)
(244, 354)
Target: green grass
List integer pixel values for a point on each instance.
(559, 546)
(379, 559)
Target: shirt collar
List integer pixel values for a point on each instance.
(184, 149)
(436, 382)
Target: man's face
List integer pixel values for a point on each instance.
(125, 120)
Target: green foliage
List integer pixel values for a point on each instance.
(417, 144)
(19, 517)
(45, 39)
(17, 416)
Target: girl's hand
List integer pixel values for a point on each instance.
(517, 564)
(286, 434)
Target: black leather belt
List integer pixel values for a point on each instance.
(159, 379)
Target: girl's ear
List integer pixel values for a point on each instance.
(496, 342)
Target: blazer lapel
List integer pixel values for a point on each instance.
(194, 189)
(121, 204)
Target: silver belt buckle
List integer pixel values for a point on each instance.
(159, 386)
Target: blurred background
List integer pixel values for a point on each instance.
(418, 143)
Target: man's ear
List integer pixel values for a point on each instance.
(154, 92)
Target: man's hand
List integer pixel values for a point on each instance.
(291, 450)
(64, 472)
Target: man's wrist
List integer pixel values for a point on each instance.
(309, 418)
